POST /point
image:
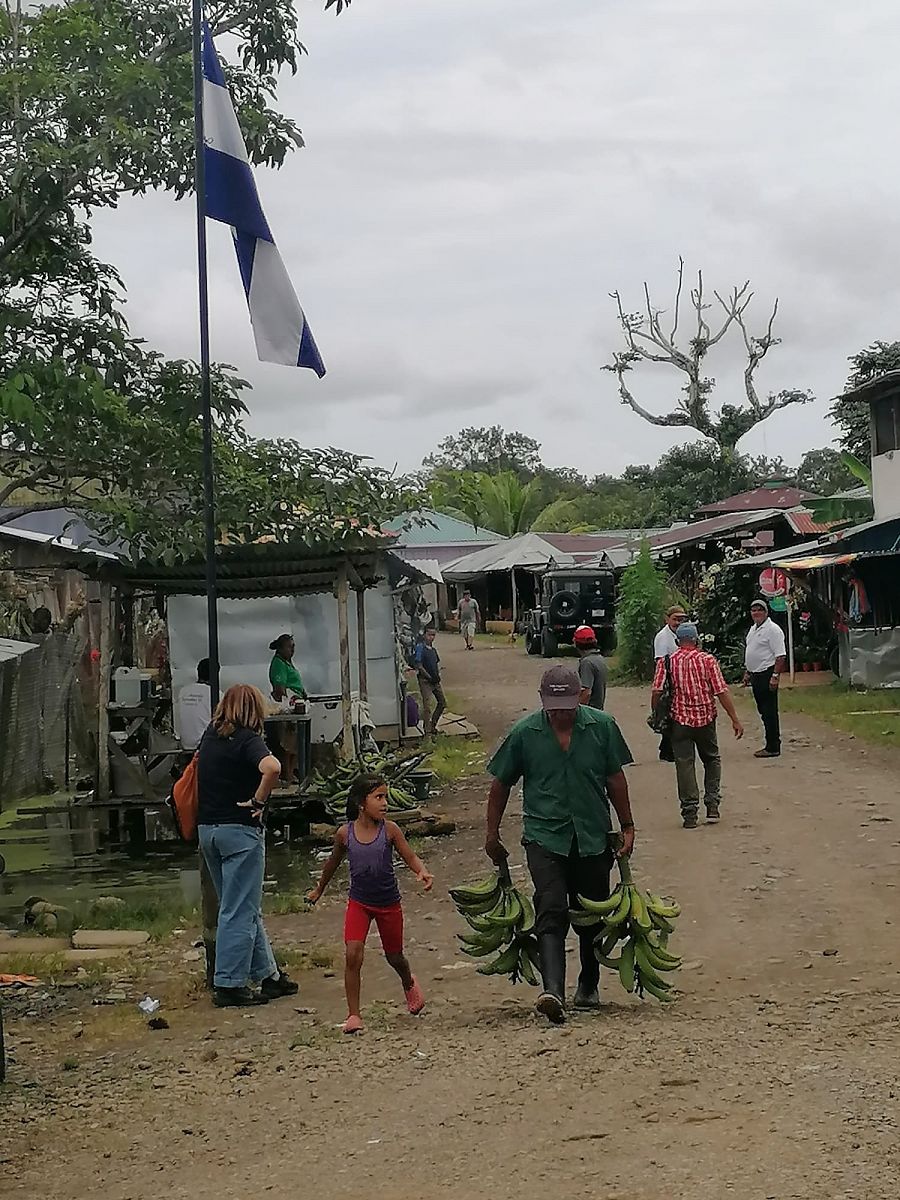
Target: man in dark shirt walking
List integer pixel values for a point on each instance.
(570, 759)
(592, 669)
(428, 672)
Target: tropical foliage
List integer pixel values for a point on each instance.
(96, 104)
(643, 598)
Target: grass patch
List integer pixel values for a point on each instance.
(46, 967)
(70, 1064)
(305, 958)
(281, 904)
(455, 758)
(837, 705)
(159, 917)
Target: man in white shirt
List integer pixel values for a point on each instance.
(765, 661)
(195, 708)
(665, 643)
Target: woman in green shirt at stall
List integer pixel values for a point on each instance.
(285, 679)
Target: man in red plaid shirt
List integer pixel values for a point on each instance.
(697, 683)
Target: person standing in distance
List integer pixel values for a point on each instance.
(195, 708)
(592, 669)
(467, 613)
(765, 661)
(697, 683)
(665, 643)
(428, 672)
(570, 759)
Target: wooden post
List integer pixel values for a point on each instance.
(361, 644)
(515, 613)
(348, 751)
(103, 789)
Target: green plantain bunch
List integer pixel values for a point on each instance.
(396, 769)
(643, 923)
(502, 921)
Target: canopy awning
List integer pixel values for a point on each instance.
(525, 552)
(813, 562)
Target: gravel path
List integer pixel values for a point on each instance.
(774, 1075)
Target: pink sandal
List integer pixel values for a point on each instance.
(353, 1025)
(415, 1001)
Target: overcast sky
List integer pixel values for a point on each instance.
(480, 174)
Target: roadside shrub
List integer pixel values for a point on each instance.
(643, 596)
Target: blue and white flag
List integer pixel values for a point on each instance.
(279, 326)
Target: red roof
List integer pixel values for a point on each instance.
(759, 498)
(802, 521)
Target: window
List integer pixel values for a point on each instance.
(886, 424)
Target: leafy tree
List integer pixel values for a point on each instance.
(852, 416)
(647, 341)
(695, 474)
(643, 597)
(501, 502)
(96, 101)
(824, 472)
(488, 451)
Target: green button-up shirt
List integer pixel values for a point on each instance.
(284, 674)
(563, 792)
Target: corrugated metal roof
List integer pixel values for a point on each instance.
(758, 499)
(712, 528)
(802, 521)
(265, 568)
(440, 529)
(428, 566)
(578, 544)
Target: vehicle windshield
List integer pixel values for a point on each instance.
(583, 586)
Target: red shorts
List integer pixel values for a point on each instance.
(389, 921)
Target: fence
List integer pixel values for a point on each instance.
(42, 717)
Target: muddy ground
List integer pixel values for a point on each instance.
(774, 1076)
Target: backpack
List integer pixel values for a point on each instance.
(184, 801)
(660, 719)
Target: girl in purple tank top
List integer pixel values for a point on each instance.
(369, 840)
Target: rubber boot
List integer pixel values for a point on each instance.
(552, 954)
(587, 995)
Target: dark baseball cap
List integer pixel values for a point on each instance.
(560, 688)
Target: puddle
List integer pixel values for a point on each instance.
(63, 854)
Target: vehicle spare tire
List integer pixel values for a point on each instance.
(563, 606)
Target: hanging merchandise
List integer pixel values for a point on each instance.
(859, 606)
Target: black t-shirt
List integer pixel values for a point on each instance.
(228, 775)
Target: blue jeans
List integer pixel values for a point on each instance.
(236, 857)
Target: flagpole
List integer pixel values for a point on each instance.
(209, 495)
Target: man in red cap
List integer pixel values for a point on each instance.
(592, 669)
(569, 758)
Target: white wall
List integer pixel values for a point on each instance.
(886, 485)
(246, 627)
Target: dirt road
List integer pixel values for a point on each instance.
(774, 1076)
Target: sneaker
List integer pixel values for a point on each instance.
(767, 754)
(415, 1001)
(552, 1008)
(712, 812)
(280, 985)
(241, 997)
(689, 822)
(353, 1025)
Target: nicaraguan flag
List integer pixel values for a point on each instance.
(279, 326)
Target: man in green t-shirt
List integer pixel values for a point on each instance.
(570, 759)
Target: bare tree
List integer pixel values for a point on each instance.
(647, 341)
